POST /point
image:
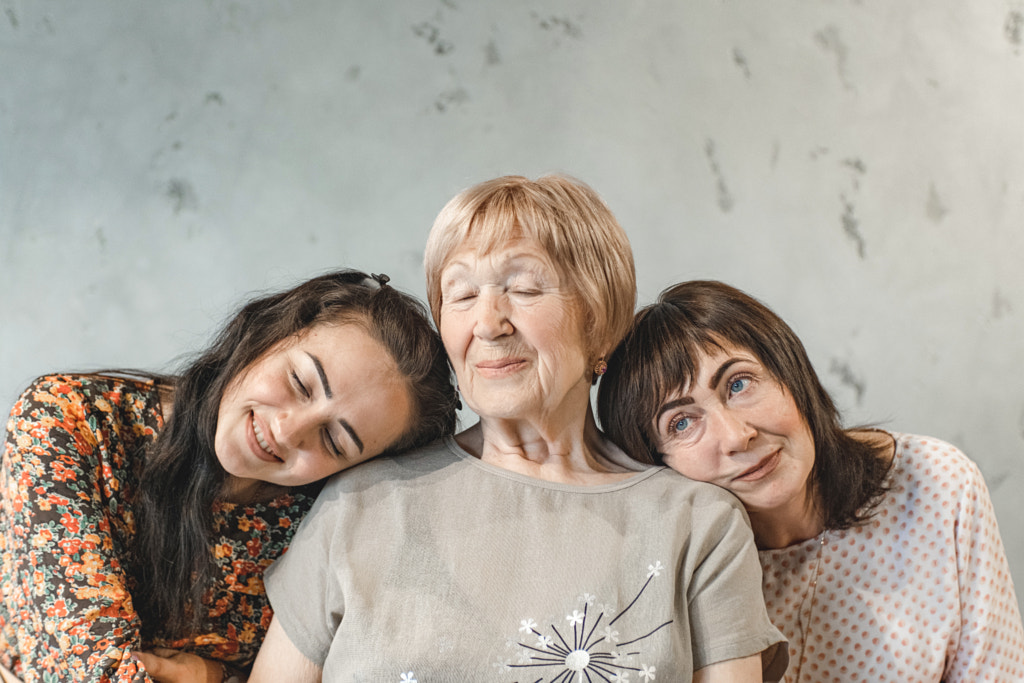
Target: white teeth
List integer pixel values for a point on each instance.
(259, 437)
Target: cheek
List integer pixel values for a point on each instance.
(689, 465)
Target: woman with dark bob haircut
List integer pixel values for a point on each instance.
(880, 552)
(139, 512)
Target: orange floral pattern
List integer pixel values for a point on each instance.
(74, 450)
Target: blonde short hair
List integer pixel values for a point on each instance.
(572, 225)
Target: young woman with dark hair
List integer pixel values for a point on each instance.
(138, 513)
(880, 552)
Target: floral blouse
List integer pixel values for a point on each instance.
(71, 463)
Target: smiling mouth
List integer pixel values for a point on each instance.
(263, 442)
(497, 368)
(761, 469)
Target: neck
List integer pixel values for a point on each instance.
(781, 528)
(570, 452)
(248, 491)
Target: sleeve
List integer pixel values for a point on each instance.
(66, 608)
(727, 612)
(991, 642)
(303, 585)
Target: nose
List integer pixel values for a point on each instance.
(293, 427)
(735, 432)
(492, 319)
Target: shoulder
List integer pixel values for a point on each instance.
(59, 391)
(392, 471)
(929, 460)
(678, 488)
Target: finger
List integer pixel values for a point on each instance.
(153, 663)
(164, 652)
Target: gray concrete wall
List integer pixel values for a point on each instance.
(857, 164)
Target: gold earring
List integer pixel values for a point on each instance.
(600, 368)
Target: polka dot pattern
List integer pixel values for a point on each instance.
(921, 593)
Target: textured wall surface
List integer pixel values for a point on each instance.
(857, 164)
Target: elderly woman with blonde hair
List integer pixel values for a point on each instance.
(528, 547)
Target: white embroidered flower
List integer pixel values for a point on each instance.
(610, 634)
(647, 672)
(586, 599)
(575, 618)
(543, 642)
(527, 625)
(654, 569)
(621, 677)
(408, 678)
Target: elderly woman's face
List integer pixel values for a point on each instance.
(513, 332)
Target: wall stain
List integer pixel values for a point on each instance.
(848, 378)
(491, 54)
(741, 61)
(1014, 28)
(11, 17)
(353, 73)
(852, 227)
(775, 154)
(101, 238)
(829, 40)
(1001, 306)
(563, 24)
(181, 195)
(450, 98)
(725, 198)
(859, 169)
(934, 209)
(432, 34)
(214, 98)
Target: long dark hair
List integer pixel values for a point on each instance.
(658, 357)
(182, 476)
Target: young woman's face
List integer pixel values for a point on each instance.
(737, 427)
(512, 332)
(310, 407)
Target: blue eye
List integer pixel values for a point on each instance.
(681, 424)
(738, 385)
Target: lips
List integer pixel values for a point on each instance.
(258, 443)
(762, 469)
(501, 367)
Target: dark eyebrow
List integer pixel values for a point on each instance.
(352, 433)
(329, 394)
(323, 375)
(686, 400)
(720, 372)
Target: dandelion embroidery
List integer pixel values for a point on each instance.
(589, 650)
(408, 678)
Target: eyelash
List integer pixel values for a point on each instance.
(329, 443)
(299, 385)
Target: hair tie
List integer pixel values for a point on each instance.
(380, 278)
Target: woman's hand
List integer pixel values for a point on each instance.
(173, 666)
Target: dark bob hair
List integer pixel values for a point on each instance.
(659, 355)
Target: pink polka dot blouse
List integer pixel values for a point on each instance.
(921, 593)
